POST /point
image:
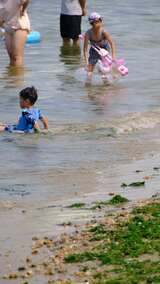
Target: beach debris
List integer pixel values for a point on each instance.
(13, 275)
(64, 224)
(21, 268)
(34, 251)
(35, 238)
(28, 260)
(111, 193)
(49, 271)
(134, 184)
(138, 171)
(156, 168)
(156, 195)
(28, 274)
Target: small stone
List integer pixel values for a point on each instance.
(13, 276)
(45, 238)
(34, 251)
(29, 273)
(35, 239)
(21, 268)
(5, 276)
(28, 259)
(45, 263)
(156, 168)
(49, 271)
(33, 265)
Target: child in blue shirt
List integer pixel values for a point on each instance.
(28, 121)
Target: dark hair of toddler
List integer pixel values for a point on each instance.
(30, 94)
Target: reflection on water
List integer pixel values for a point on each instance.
(70, 55)
(100, 95)
(14, 76)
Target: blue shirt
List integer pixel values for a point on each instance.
(26, 121)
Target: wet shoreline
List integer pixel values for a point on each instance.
(26, 219)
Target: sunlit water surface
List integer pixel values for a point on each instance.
(86, 123)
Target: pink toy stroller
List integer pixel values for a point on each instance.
(107, 66)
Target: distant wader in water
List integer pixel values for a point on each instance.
(70, 20)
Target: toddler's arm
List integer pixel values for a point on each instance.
(44, 120)
(112, 44)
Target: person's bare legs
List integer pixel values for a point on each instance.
(8, 43)
(90, 69)
(66, 41)
(76, 42)
(15, 46)
(19, 40)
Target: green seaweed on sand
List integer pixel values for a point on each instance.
(117, 199)
(131, 248)
(77, 205)
(134, 184)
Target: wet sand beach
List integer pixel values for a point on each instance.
(23, 219)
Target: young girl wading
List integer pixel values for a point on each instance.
(97, 36)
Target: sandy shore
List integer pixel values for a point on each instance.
(80, 257)
(44, 221)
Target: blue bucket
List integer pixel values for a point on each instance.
(33, 37)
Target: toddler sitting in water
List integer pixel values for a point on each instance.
(28, 121)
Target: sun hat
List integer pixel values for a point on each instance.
(94, 17)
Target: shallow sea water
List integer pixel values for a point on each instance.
(79, 117)
(93, 129)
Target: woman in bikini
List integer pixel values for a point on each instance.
(14, 19)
